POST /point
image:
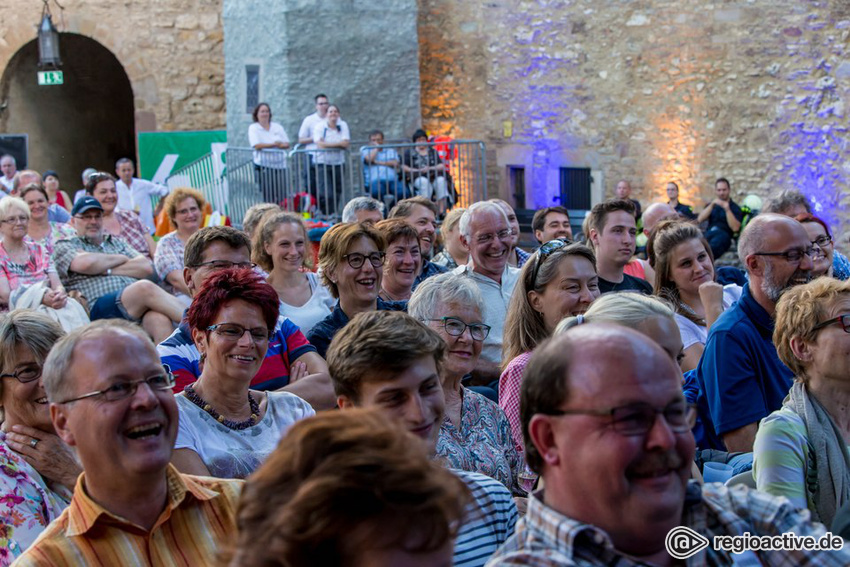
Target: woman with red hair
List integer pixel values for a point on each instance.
(226, 429)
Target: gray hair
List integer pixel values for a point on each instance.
(31, 329)
(254, 215)
(785, 201)
(56, 374)
(9, 203)
(9, 157)
(349, 213)
(627, 309)
(444, 289)
(481, 206)
(87, 173)
(754, 235)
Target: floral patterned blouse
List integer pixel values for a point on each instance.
(58, 231)
(35, 270)
(27, 504)
(483, 444)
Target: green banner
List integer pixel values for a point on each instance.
(163, 153)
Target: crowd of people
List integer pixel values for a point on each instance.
(427, 394)
(389, 175)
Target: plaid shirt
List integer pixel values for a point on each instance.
(429, 269)
(133, 231)
(92, 287)
(521, 257)
(546, 538)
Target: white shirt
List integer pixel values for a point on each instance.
(497, 297)
(692, 333)
(271, 157)
(229, 453)
(321, 131)
(306, 130)
(140, 192)
(319, 306)
(7, 183)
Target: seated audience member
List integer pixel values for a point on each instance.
(226, 429)
(724, 218)
(41, 230)
(363, 209)
(129, 503)
(391, 362)
(475, 434)
(120, 222)
(185, 210)
(559, 281)
(55, 213)
(654, 215)
(141, 192)
(623, 192)
(552, 223)
(349, 488)
(425, 172)
(403, 259)
(351, 259)
(741, 378)
(422, 214)
(281, 249)
(254, 215)
(615, 456)
(109, 275)
(821, 239)
(380, 169)
(85, 176)
(485, 232)
(289, 356)
(685, 212)
(517, 257)
(453, 253)
(684, 277)
(611, 233)
(801, 449)
(37, 470)
(56, 195)
(23, 263)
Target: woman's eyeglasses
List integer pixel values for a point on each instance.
(356, 260)
(456, 327)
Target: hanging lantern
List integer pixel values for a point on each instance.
(48, 43)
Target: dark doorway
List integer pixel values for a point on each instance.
(88, 121)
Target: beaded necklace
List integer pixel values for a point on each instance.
(193, 397)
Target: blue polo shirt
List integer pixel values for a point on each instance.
(740, 376)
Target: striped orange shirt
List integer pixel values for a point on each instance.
(199, 516)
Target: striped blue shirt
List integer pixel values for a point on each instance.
(488, 521)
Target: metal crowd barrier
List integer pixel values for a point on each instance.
(322, 181)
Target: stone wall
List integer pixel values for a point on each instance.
(171, 50)
(363, 55)
(648, 90)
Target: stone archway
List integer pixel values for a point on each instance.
(86, 122)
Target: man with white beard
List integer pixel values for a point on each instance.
(741, 377)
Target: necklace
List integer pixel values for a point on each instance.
(229, 423)
(687, 309)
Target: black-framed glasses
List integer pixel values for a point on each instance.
(543, 253)
(123, 390)
(225, 265)
(638, 419)
(456, 327)
(24, 375)
(792, 256)
(843, 319)
(234, 332)
(822, 241)
(356, 259)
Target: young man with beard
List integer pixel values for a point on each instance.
(390, 361)
(741, 377)
(609, 430)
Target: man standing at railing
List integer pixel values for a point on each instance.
(381, 168)
(305, 136)
(140, 191)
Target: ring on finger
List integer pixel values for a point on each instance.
(33, 442)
